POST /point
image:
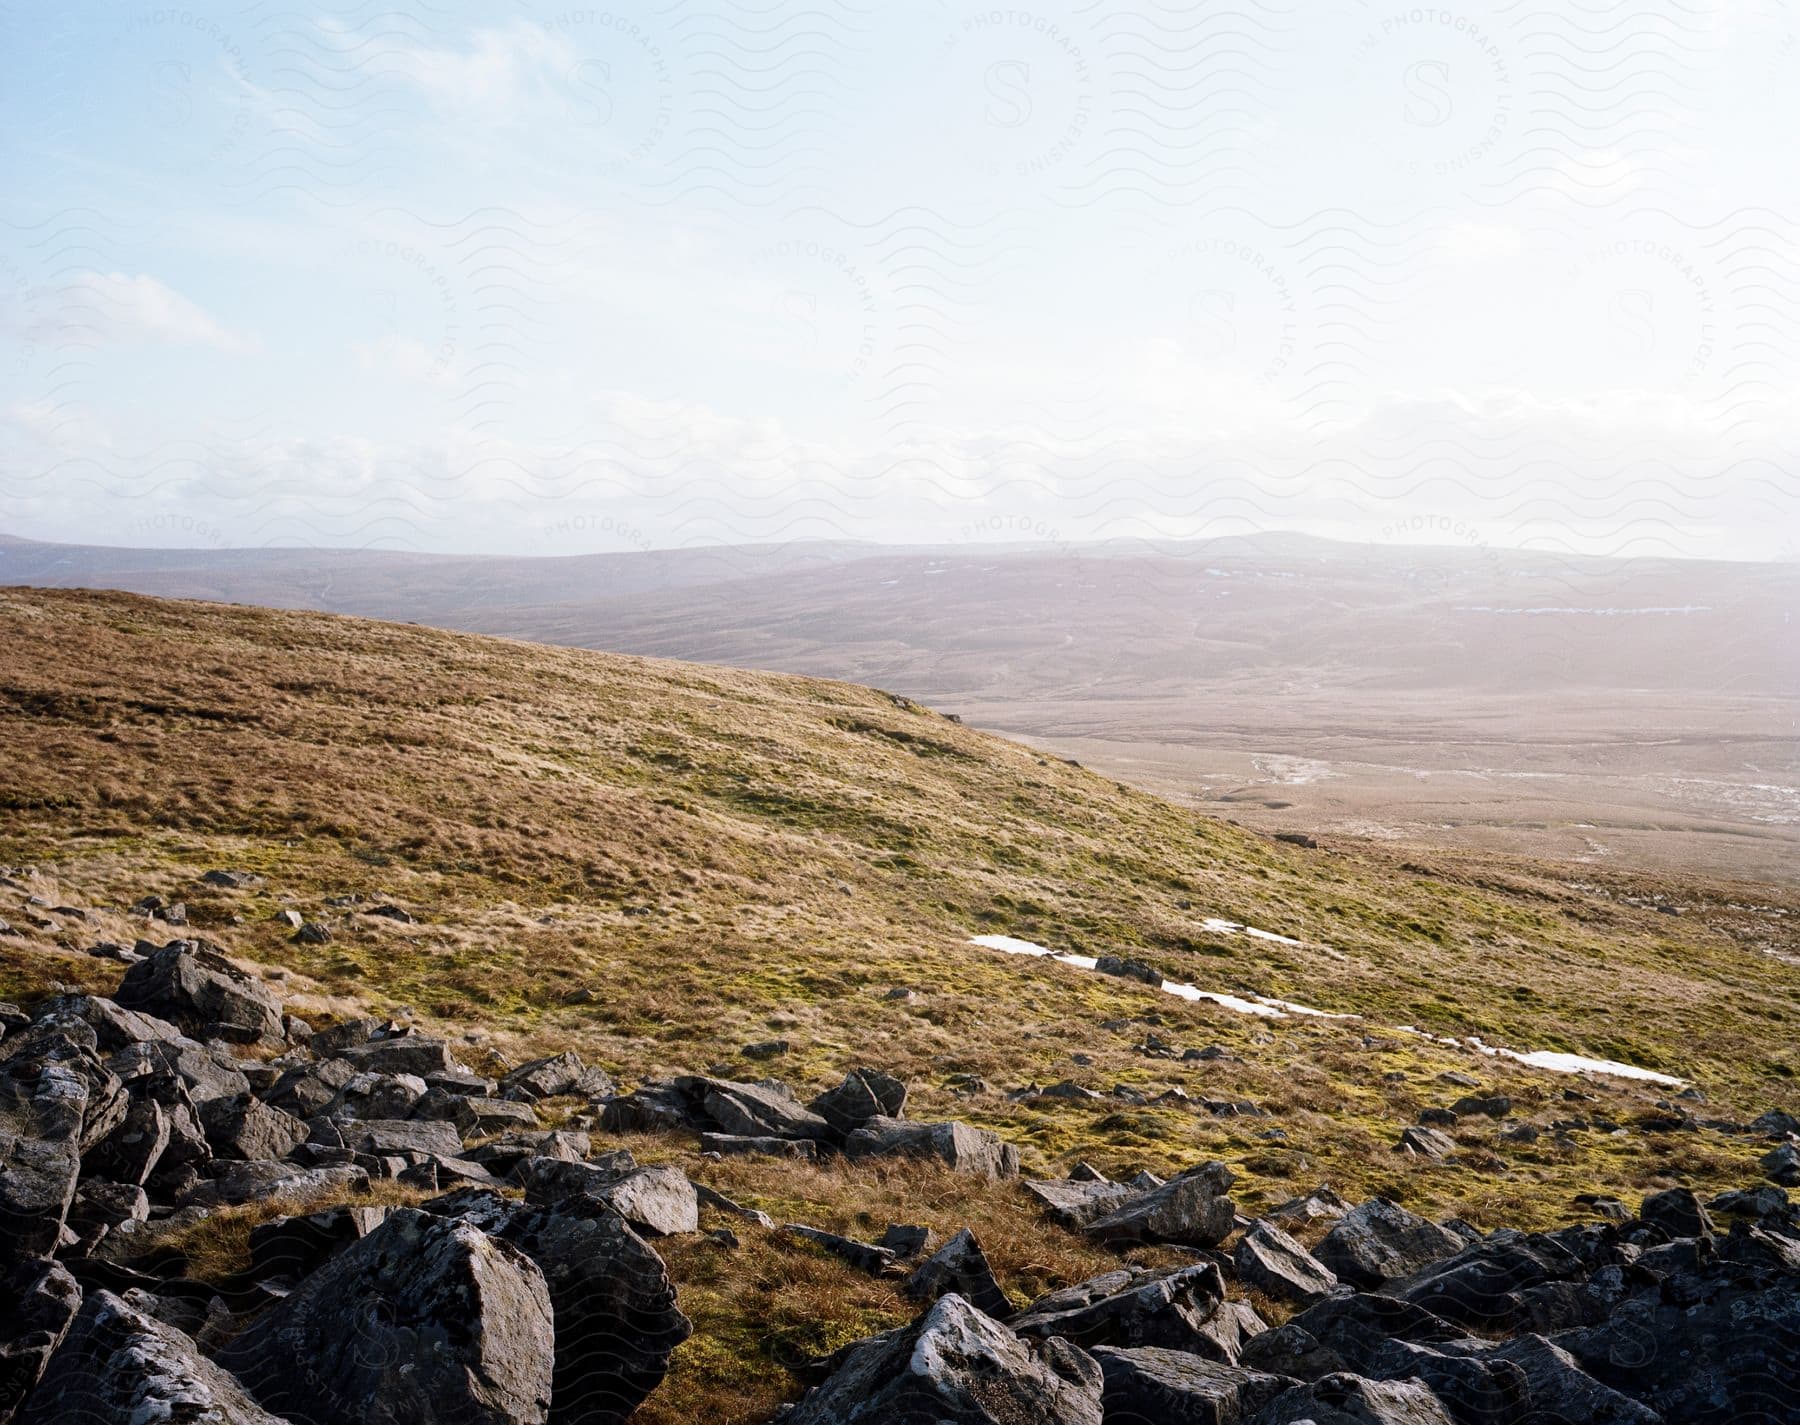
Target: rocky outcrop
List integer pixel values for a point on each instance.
(41, 1301)
(1380, 1242)
(192, 984)
(955, 1366)
(427, 1319)
(1191, 1210)
(967, 1150)
(118, 1366)
(1147, 1383)
(1273, 1263)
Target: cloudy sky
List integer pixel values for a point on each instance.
(546, 279)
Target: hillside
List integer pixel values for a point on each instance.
(660, 864)
(1634, 712)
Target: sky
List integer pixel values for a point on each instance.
(544, 279)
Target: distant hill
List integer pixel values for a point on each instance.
(1590, 709)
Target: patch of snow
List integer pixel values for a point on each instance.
(1232, 927)
(1577, 1064)
(1258, 1005)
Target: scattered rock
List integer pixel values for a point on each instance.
(1273, 1263)
(192, 984)
(118, 1366)
(864, 1256)
(956, 1366)
(1191, 1210)
(1380, 1242)
(959, 1266)
(427, 1319)
(966, 1149)
(1424, 1142)
(1151, 1384)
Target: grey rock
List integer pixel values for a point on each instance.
(1191, 1210)
(293, 1247)
(1424, 1142)
(616, 1316)
(244, 1129)
(306, 1089)
(956, 1366)
(41, 1302)
(1477, 1105)
(556, 1076)
(1678, 1212)
(234, 1184)
(377, 1096)
(1130, 1308)
(1322, 1202)
(959, 1266)
(380, 1137)
(1782, 1165)
(1077, 1202)
(1276, 1265)
(415, 1054)
(658, 1200)
(755, 1111)
(57, 1100)
(1351, 1400)
(117, 1366)
(711, 1197)
(427, 1319)
(965, 1149)
(192, 984)
(863, 1095)
(1556, 1388)
(1380, 1242)
(731, 1145)
(1148, 1384)
(864, 1256)
(206, 1072)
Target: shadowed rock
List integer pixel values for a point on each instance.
(1350, 1400)
(955, 1366)
(1148, 1385)
(966, 1149)
(425, 1320)
(118, 1366)
(193, 985)
(1381, 1241)
(41, 1302)
(1275, 1264)
(1191, 1210)
(959, 1266)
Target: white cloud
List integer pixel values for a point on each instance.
(118, 310)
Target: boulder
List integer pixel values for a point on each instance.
(966, 1149)
(425, 1320)
(234, 1184)
(1077, 1202)
(1343, 1333)
(384, 1137)
(380, 1096)
(292, 1247)
(1130, 1308)
(1148, 1383)
(41, 1302)
(1678, 1212)
(555, 1077)
(192, 984)
(346, 1034)
(753, 1111)
(475, 1117)
(1270, 1261)
(114, 1026)
(1423, 1142)
(1707, 1347)
(207, 1073)
(306, 1089)
(659, 1200)
(119, 1366)
(1351, 1400)
(731, 1145)
(1782, 1165)
(616, 1317)
(1191, 1210)
(244, 1129)
(1477, 1105)
(1484, 1287)
(959, 1266)
(415, 1054)
(864, 1094)
(1380, 1242)
(1556, 1388)
(1322, 1202)
(955, 1366)
(57, 1100)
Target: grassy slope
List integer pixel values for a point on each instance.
(720, 857)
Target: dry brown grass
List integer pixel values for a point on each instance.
(717, 857)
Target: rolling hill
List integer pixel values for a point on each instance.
(1639, 712)
(663, 864)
